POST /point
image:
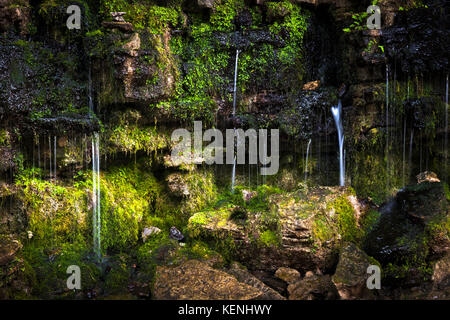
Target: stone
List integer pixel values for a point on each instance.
(8, 249)
(117, 16)
(315, 287)
(175, 234)
(288, 275)
(248, 195)
(209, 4)
(427, 176)
(242, 275)
(304, 243)
(177, 185)
(196, 280)
(312, 85)
(441, 273)
(147, 232)
(15, 16)
(351, 273)
(122, 26)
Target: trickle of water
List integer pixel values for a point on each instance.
(233, 175)
(307, 156)
(337, 115)
(96, 216)
(96, 212)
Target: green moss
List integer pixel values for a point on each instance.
(270, 238)
(223, 14)
(346, 219)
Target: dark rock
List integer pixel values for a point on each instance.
(351, 273)
(175, 234)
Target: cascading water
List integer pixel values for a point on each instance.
(233, 175)
(307, 156)
(337, 115)
(96, 205)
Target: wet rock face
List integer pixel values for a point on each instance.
(412, 230)
(418, 40)
(15, 16)
(141, 71)
(351, 273)
(195, 280)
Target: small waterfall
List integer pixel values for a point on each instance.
(307, 156)
(96, 205)
(96, 217)
(337, 115)
(233, 175)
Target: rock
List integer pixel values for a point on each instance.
(177, 185)
(305, 237)
(410, 232)
(242, 275)
(248, 195)
(117, 16)
(427, 176)
(141, 71)
(8, 250)
(15, 16)
(209, 4)
(147, 232)
(351, 273)
(288, 275)
(122, 26)
(314, 287)
(175, 234)
(195, 280)
(312, 85)
(441, 273)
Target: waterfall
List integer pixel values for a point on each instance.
(96, 217)
(233, 175)
(96, 205)
(307, 156)
(337, 115)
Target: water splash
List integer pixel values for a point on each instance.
(337, 115)
(233, 175)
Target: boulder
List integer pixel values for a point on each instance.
(288, 275)
(242, 275)
(177, 185)
(313, 287)
(147, 232)
(195, 280)
(351, 273)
